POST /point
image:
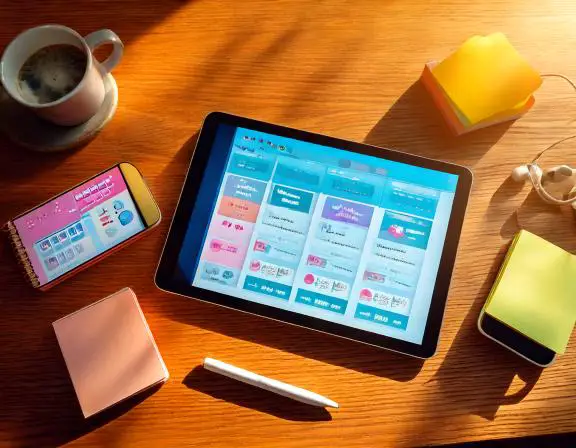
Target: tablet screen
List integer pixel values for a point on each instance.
(332, 234)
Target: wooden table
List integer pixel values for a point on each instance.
(347, 69)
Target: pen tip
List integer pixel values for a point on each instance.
(332, 404)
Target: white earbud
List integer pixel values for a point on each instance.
(520, 173)
(559, 172)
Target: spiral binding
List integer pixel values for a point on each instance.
(22, 255)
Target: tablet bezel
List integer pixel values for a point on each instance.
(168, 262)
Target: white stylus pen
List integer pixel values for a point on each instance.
(278, 387)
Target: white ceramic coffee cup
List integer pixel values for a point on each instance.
(84, 101)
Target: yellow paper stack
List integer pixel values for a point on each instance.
(484, 82)
(535, 290)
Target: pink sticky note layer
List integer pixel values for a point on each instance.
(109, 351)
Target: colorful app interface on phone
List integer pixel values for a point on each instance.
(79, 225)
(327, 233)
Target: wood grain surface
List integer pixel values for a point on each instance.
(343, 68)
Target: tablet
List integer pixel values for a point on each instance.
(340, 237)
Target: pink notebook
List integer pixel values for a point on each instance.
(109, 351)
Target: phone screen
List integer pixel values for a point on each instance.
(79, 225)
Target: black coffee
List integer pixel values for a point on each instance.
(51, 73)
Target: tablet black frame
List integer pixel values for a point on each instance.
(166, 280)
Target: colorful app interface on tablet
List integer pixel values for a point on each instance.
(79, 225)
(328, 233)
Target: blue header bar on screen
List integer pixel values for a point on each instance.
(357, 176)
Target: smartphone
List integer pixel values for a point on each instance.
(517, 342)
(83, 225)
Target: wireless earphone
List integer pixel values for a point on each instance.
(540, 179)
(556, 174)
(562, 175)
(520, 173)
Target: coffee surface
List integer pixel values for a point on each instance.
(51, 73)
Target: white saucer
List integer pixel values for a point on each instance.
(25, 128)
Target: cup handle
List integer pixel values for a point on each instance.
(101, 37)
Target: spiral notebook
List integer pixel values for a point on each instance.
(22, 254)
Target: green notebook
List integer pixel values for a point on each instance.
(535, 291)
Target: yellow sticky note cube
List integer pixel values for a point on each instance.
(486, 76)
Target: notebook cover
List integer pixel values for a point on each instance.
(109, 351)
(535, 291)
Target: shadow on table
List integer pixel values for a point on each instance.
(507, 190)
(546, 441)
(222, 388)
(477, 373)
(552, 222)
(413, 124)
(19, 164)
(39, 405)
(310, 344)
(128, 18)
(167, 192)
